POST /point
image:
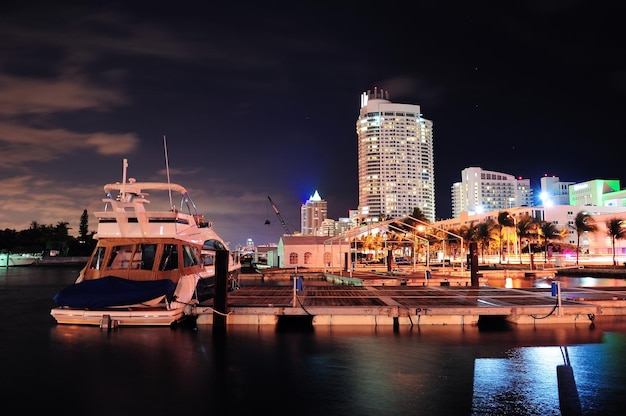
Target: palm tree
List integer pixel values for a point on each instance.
(526, 228)
(418, 214)
(369, 244)
(616, 229)
(504, 220)
(583, 223)
(484, 234)
(468, 232)
(548, 231)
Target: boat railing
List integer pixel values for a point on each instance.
(187, 204)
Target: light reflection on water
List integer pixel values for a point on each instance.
(524, 381)
(546, 282)
(493, 280)
(364, 370)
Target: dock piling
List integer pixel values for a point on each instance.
(220, 290)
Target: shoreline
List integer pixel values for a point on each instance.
(75, 261)
(617, 272)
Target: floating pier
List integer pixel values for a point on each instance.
(420, 303)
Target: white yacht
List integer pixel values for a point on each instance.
(148, 265)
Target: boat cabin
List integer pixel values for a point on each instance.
(143, 259)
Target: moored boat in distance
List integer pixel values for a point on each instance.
(149, 266)
(19, 259)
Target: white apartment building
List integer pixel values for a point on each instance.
(313, 213)
(553, 191)
(395, 159)
(483, 191)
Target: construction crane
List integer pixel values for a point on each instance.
(280, 217)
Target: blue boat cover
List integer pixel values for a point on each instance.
(112, 291)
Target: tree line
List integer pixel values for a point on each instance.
(43, 238)
(494, 236)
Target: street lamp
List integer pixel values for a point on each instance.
(355, 255)
(352, 264)
(385, 249)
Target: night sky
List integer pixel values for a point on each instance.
(259, 101)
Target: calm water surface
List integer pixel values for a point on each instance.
(328, 371)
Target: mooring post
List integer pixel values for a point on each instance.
(474, 263)
(295, 296)
(220, 288)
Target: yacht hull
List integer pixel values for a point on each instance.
(111, 318)
(19, 259)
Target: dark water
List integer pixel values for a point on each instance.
(355, 371)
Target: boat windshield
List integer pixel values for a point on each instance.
(143, 256)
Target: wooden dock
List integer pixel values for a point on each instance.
(428, 303)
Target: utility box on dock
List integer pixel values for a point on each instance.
(554, 288)
(299, 283)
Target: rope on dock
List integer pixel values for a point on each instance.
(216, 311)
(550, 313)
(302, 306)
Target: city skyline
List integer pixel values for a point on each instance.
(256, 101)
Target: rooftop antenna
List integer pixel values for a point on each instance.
(167, 169)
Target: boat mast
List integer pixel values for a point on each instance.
(122, 191)
(167, 169)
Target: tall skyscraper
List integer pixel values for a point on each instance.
(312, 215)
(395, 159)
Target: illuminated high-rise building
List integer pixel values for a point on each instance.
(395, 159)
(485, 191)
(313, 213)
